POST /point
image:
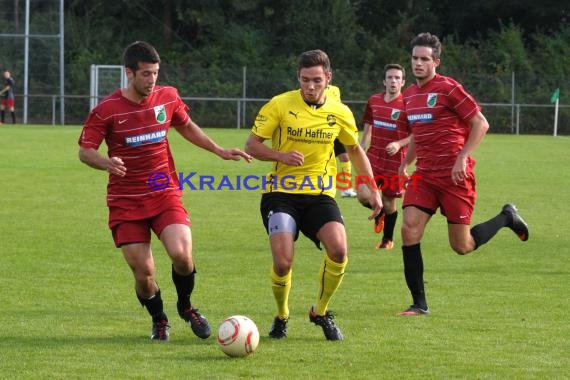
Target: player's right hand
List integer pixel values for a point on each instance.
(293, 158)
(116, 166)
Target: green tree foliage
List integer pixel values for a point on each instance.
(204, 44)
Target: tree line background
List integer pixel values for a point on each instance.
(204, 44)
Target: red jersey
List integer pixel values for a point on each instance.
(438, 114)
(389, 123)
(137, 133)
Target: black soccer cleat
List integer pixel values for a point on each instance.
(516, 222)
(279, 328)
(331, 331)
(197, 322)
(160, 330)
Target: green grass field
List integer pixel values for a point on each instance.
(68, 308)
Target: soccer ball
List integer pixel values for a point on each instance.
(238, 336)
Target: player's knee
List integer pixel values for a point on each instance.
(337, 252)
(410, 233)
(144, 275)
(462, 248)
(182, 261)
(282, 267)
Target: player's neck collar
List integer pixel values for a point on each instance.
(313, 105)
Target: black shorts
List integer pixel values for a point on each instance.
(338, 148)
(310, 212)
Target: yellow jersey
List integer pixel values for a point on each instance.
(292, 124)
(333, 91)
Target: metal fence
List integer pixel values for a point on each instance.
(219, 112)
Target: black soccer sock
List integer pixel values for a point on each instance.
(13, 117)
(414, 272)
(483, 232)
(389, 225)
(154, 306)
(184, 287)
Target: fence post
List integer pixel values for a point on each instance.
(244, 93)
(238, 114)
(53, 100)
(513, 103)
(518, 118)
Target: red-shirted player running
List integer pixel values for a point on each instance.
(386, 136)
(447, 126)
(143, 191)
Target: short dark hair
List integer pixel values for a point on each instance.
(429, 40)
(314, 58)
(394, 66)
(139, 51)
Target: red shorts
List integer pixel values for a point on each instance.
(138, 231)
(456, 201)
(8, 103)
(392, 186)
(385, 170)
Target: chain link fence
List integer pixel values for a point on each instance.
(230, 98)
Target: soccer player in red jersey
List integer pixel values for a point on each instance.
(386, 136)
(143, 192)
(8, 100)
(447, 126)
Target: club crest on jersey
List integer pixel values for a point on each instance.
(431, 100)
(331, 120)
(160, 113)
(395, 114)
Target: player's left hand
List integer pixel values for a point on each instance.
(392, 148)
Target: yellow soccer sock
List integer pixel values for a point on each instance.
(281, 287)
(330, 277)
(346, 167)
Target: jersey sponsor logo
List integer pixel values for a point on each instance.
(395, 114)
(260, 120)
(420, 117)
(311, 136)
(384, 125)
(431, 100)
(331, 120)
(146, 138)
(160, 113)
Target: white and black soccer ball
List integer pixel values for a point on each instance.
(238, 336)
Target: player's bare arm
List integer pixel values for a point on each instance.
(255, 146)
(410, 157)
(91, 157)
(362, 167)
(193, 133)
(479, 127)
(366, 136)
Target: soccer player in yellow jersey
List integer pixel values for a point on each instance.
(298, 193)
